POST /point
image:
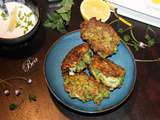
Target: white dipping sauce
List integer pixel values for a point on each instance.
(25, 20)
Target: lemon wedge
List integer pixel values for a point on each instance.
(13, 20)
(95, 8)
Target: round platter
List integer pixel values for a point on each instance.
(52, 70)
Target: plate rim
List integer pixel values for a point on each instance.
(85, 111)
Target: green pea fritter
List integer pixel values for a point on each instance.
(85, 87)
(77, 59)
(109, 73)
(101, 37)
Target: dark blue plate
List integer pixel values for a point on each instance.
(54, 77)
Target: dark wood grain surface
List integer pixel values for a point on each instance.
(143, 104)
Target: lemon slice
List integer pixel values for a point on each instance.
(95, 8)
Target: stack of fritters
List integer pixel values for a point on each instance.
(78, 83)
(105, 75)
(101, 37)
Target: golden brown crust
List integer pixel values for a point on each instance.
(107, 67)
(74, 56)
(101, 36)
(82, 86)
(82, 77)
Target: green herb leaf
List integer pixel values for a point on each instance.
(60, 26)
(151, 42)
(25, 20)
(67, 4)
(29, 14)
(60, 18)
(17, 24)
(21, 18)
(55, 21)
(147, 37)
(54, 17)
(62, 10)
(136, 47)
(49, 24)
(126, 38)
(25, 14)
(32, 98)
(13, 106)
(120, 30)
(66, 16)
(29, 23)
(19, 14)
(4, 16)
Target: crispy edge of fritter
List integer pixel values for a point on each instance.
(100, 48)
(107, 67)
(74, 56)
(99, 87)
(92, 23)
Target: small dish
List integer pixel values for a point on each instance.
(31, 4)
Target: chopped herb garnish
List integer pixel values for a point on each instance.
(21, 18)
(18, 24)
(4, 16)
(13, 106)
(29, 23)
(25, 14)
(25, 20)
(32, 98)
(19, 14)
(25, 29)
(29, 14)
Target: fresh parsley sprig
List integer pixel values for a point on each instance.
(60, 18)
(129, 38)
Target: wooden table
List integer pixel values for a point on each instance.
(143, 104)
